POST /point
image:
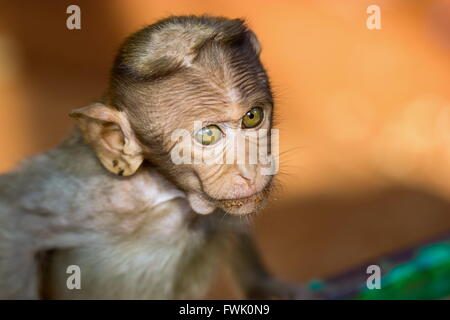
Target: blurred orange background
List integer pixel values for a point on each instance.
(364, 115)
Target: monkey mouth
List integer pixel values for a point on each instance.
(242, 206)
(256, 198)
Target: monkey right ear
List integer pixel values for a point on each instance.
(109, 132)
(254, 42)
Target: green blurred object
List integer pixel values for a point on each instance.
(427, 276)
(419, 272)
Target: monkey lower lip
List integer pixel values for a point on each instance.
(240, 202)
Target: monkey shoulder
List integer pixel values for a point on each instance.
(35, 203)
(157, 247)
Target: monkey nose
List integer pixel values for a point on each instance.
(248, 172)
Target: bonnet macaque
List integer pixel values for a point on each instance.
(112, 200)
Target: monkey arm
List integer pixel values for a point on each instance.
(254, 279)
(246, 264)
(23, 237)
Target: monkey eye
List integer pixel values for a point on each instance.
(253, 117)
(208, 135)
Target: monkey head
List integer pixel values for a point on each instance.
(190, 96)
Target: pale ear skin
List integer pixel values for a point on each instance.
(109, 132)
(254, 42)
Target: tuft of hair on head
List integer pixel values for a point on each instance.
(171, 44)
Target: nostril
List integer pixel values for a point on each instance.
(248, 172)
(251, 183)
(243, 181)
(248, 180)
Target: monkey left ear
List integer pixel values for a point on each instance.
(109, 132)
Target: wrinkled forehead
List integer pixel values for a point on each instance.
(199, 95)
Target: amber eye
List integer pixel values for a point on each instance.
(253, 118)
(208, 135)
